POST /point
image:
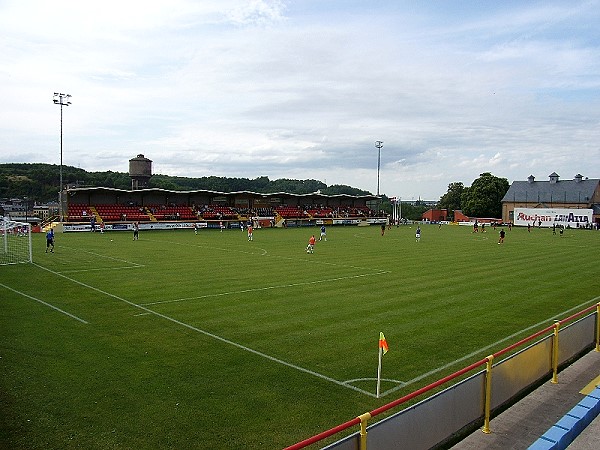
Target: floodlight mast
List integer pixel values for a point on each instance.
(378, 145)
(62, 100)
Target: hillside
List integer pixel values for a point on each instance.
(41, 182)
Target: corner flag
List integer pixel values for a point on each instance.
(383, 349)
(383, 343)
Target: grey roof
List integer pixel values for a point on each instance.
(561, 191)
(209, 192)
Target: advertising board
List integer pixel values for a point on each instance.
(548, 217)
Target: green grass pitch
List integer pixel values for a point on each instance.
(210, 341)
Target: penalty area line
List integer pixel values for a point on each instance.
(211, 335)
(44, 303)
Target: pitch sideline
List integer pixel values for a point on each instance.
(494, 344)
(72, 316)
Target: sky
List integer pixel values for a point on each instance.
(303, 89)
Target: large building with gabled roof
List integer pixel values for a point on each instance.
(578, 193)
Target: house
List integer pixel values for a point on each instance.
(435, 215)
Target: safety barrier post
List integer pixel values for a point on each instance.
(488, 394)
(598, 327)
(363, 430)
(555, 353)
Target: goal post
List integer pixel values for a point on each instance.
(16, 242)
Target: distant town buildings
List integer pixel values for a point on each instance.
(25, 210)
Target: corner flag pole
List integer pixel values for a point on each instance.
(379, 371)
(383, 348)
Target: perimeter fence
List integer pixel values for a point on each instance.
(473, 401)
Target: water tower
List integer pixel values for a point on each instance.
(140, 172)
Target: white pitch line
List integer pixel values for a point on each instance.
(391, 380)
(481, 350)
(266, 288)
(98, 269)
(106, 256)
(131, 265)
(43, 303)
(211, 335)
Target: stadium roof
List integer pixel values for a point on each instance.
(218, 193)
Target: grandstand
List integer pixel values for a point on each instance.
(115, 206)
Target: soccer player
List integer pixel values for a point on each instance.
(323, 235)
(136, 231)
(310, 248)
(250, 232)
(501, 240)
(418, 234)
(50, 240)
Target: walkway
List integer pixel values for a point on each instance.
(522, 424)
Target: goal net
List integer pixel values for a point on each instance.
(15, 247)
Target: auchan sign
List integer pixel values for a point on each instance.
(544, 217)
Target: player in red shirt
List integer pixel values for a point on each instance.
(310, 248)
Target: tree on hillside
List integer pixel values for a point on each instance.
(162, 182)
(40, 182)
(343, 189)
(297, 186)
(451, 200)
(413, 212)
(484, 197)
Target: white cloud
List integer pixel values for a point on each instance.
(257, 12)
(284, 89)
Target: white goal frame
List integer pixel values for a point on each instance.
(15, 246)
